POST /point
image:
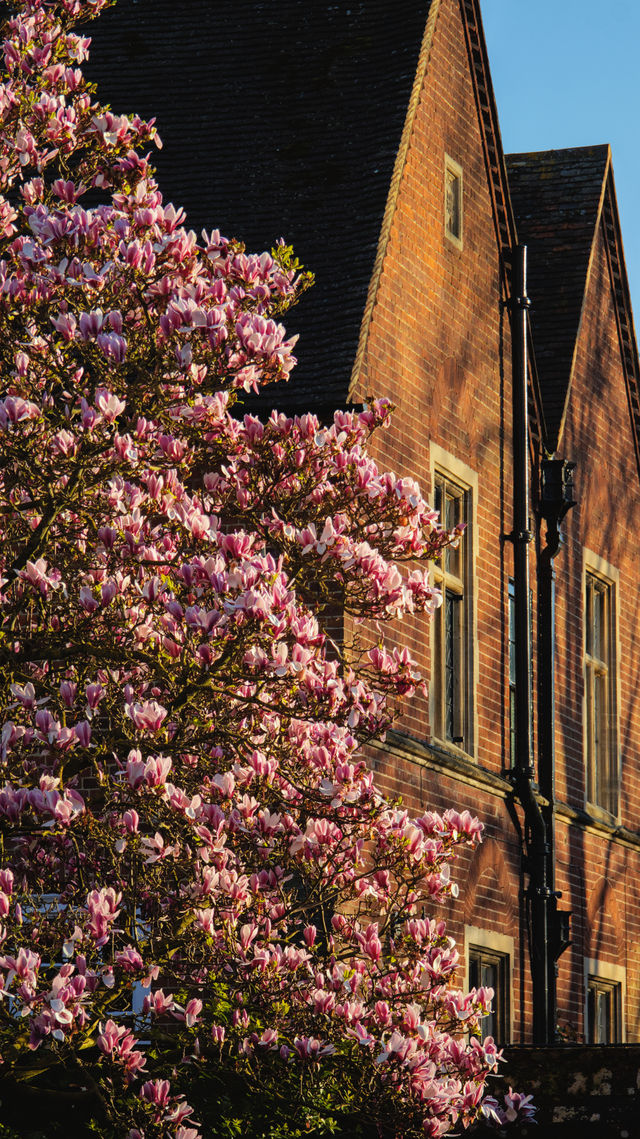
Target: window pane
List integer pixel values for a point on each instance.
(491, 1024)
(439, 505)
(603, 1005)
(438, 498)
(591, 1015)
(598, 649)
(452, 666)
(450, 627)
(604, 1017)
(453, 517)
(512, 633)
(491, 980)
(588, 616)
(512, 669)
(512, 726)
(600, 736)
(591, 791)
(453, 203)
(491, 970)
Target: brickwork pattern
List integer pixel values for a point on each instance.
(439, 347)
(599, 877)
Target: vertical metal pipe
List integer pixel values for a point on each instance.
(524, 771)
(546, 668)
(521, 529)
(554, 501)
(546, 745)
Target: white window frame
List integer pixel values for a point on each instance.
(596, 567)
(454, 169)
(616, 977)
(485, 939)
(42, 903)
(453, 470)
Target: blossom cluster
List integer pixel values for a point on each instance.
(189, 823)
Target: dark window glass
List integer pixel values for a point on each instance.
(602, 759)
(492, 970)
(603, 1011)
(512, 670)
(451, 622)
(453, 202)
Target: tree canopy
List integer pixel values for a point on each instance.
(212, 921)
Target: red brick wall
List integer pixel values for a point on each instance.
(439, 347)
(599, 876)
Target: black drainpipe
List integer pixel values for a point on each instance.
(556, 499)
(524, 772)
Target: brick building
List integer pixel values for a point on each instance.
(367, 133)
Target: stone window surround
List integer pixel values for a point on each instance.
(454, 168)
(596, 566)
(614, 975)
(499, 943)
(443, 463)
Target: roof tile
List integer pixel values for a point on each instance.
(277, 119)
(556, 200)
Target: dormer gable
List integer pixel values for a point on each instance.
(566, 211)
(422, 272)
(451, 124)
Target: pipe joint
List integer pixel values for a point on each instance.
(521, 302)
(540, 892)
(518, 303)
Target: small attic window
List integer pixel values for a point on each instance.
(453, 201)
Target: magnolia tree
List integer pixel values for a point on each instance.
(212, 922)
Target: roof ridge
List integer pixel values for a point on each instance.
(603, 146)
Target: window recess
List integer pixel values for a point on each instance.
(452, 621)
(600, 694)
(512, 670)
(492, 970)
(604, 1011)
(453, 201)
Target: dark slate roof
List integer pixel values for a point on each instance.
(279, 117)
(556, 197)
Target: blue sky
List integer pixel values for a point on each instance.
(566, 73)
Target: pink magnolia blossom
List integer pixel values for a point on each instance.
(185, 801)
(103, 910)
(147, 716)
